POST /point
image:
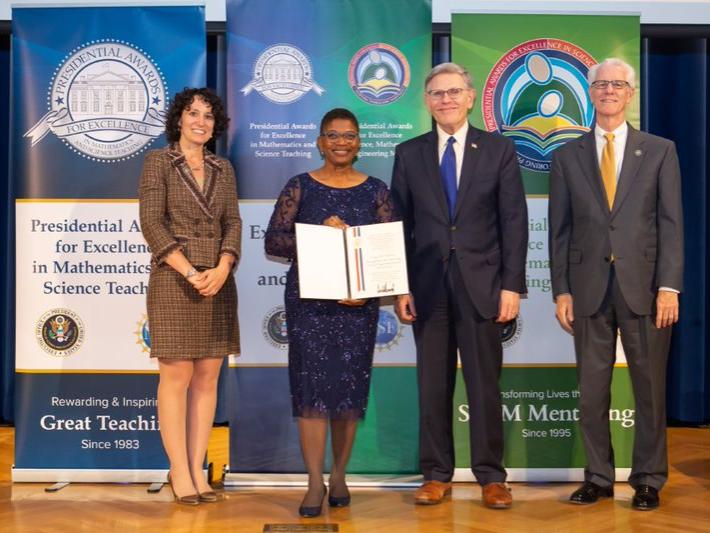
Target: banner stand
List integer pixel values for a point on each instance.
(39, 475)
(461, 475)
(233, 480)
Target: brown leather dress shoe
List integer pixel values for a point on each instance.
(432, 492)
(497, 496)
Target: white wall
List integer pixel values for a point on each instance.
(215, 10)
(652, 11)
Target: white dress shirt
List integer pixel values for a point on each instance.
(459, 145)
(620, 135)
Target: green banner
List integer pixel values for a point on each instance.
(540, 421)
(540, 418)
(530, 76)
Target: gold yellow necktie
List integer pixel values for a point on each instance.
(608, 169)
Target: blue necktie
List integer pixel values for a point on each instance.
(448, 175)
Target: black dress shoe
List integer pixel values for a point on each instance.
(645, 498)
(315, 510)
(589, 493)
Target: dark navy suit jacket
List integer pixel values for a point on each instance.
(489, 231)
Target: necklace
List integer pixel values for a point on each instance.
(197, 165)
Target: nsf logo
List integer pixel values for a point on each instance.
(536, 94)
(143, 334)
(106, 102)
(389, 330)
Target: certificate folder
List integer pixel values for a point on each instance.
(356, 262)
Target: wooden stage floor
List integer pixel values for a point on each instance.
(685, 504)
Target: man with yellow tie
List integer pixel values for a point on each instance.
(616, 254)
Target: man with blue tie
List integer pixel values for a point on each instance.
(461, 197)
(616, 254)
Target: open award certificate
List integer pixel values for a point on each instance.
(357, 262)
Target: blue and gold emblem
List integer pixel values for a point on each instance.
(379, 73)
(143, 334)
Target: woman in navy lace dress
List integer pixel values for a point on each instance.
(330, 342)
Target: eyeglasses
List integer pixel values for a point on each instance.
(438, 94)
(616, 84)
(334, 136)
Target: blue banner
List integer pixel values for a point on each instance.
(90, 89)
(105, 421)
(288, 63)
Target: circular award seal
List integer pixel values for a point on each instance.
(60, 332)
(282, 74)
(143, 334)
(379, 73)
(537, 95)
(389, 330)
(106, 101)
(274, 327)
(511, 332)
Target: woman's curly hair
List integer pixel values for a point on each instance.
(183, 99)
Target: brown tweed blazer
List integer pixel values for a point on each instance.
(176, 214)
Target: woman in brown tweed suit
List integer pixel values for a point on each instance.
(190, 219)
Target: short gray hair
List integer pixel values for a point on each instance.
(613, 61)
(449, 68)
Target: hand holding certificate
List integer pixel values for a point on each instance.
(355, 262)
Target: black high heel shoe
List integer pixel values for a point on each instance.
(339, 501)
(190, 499)
(313, 511)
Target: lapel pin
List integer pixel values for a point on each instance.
(638, 153)
(474, 145)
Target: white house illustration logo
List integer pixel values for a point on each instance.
(106, 101)
(282, 74)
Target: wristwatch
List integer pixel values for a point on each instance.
(190, 273)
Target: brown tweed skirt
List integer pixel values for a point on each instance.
(185, 325)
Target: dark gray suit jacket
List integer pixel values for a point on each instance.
(490, 228)
(643, 230)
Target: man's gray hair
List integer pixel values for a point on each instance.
(614, 61)
(449, 68)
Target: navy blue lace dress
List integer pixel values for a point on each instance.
(330, 344)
